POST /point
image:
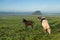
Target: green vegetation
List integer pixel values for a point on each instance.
(12, 28)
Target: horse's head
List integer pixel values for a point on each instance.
(24, 20)
(41, 17)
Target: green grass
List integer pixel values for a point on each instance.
(12, 28)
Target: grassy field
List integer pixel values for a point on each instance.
(12, 28)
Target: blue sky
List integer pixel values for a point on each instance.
(30, 5)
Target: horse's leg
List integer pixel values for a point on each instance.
(25, 26)
(49, 30)
(44, 30)
(32, 26)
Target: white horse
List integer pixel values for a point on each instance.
(45, 25)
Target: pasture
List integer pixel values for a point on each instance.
(12, 28)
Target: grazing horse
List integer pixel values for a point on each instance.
(45, 25)
(28, 23)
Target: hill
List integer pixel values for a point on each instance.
(37, 13)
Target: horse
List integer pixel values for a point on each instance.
(28, 23)
(45, 25)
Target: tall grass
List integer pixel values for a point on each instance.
(12, 28)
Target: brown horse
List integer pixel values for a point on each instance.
(28, 23)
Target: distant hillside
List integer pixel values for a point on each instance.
(47, 14)
(15, 13)
(28, 13)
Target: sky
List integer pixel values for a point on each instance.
(30, 5)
